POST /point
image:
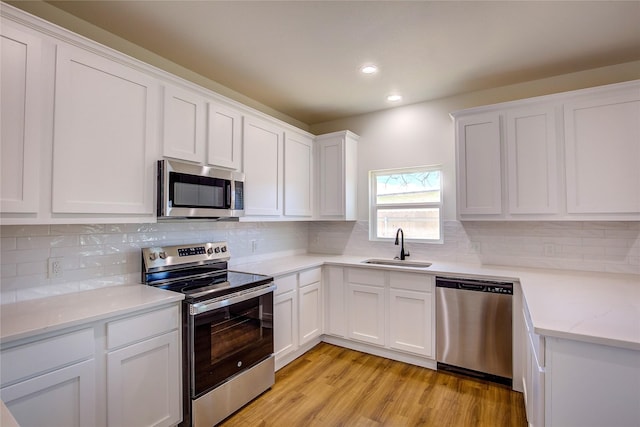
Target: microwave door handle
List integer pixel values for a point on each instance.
(228, 185)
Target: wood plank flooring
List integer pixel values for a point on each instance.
(334, 386)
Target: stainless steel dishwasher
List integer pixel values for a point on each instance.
(473, 323)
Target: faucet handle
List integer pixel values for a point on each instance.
(406, 254)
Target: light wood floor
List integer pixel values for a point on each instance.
(334, 386)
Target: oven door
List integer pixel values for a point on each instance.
(230, 336)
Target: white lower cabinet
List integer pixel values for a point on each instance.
(143, 363)
(533, 374)
(310, 305)
(391, 312)
(62, 398)
(285, 316)
(298, 314)
(75, 378)
(335, 291)
(365, 302)
(571, 383)
(150, 366)
(412, 313)
(51, 381)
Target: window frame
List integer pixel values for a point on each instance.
(374, 206)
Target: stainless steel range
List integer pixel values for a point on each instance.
(227, 328)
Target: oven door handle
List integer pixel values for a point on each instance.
(203, 307)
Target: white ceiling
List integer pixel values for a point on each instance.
(302, 58)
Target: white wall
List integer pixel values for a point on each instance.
(423, 134)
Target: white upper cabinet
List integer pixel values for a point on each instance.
(104, 148)
(200, 130)
(21, 118)
(479, 164)
(298, 175)
(185, 126)
(602, 144)
(224, 144)
(532, 160)
(572, 155)
(263, 167)
(337, 175)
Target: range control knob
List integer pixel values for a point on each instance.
(209, 251)
(224, 249)
(153, 256)
(162, 255)
(217, 250)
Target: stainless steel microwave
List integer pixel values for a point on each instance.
(192, 191)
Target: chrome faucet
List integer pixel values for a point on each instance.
(403, 254)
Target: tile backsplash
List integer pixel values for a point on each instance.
(105, 255)
(571, 245)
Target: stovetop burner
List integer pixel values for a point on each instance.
(215, 285)
(197, 271)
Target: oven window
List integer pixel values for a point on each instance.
(234, 329)
(231, 339)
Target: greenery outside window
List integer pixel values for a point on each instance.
(408, 198)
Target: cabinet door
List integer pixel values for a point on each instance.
(263, 167)
(479, 164)
(285, 319)
(332, 170)
(65, 397)
(366, 313)
(104, 148)
(298, 175)
(224, 146)
(336, 320)
(310, 312)
(410, 321)
(184, 124)
(531, 160)
(602, 146)
(20, 140)
(144, 383)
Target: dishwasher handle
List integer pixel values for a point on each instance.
(473, 285)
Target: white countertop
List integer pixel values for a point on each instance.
(599, 308)
(34, 317)
(593, 307)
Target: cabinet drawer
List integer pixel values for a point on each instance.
(411, 281)
(46, 355)
(310, 276)
(285, 284)
(143, 326)
(366, 277)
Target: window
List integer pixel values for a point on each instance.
(410, 199)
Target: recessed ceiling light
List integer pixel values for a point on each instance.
(394, 98)
(369, 69)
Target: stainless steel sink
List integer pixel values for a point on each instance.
(398, 263)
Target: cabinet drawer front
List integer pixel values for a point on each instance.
(411, 281)
(366, 277)
(143, 326)
(310, 276)
(285, 284)
(46, 355)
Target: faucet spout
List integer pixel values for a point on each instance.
(400, 235)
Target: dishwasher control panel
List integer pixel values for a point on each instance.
(489, 286)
